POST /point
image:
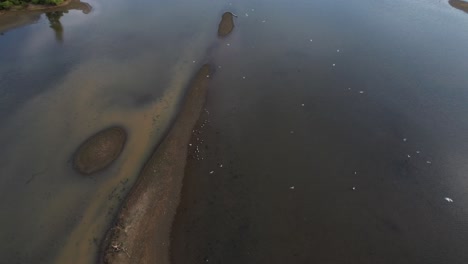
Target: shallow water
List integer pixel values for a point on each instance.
(107, 68)
(127, 63)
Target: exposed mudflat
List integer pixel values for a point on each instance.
(226, 25)
(100, 150)
(458, 4)
(142, 230)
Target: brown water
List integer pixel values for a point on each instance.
(127, 63)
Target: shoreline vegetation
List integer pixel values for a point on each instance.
(21, 5)
(19, 17)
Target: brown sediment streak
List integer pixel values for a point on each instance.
(141, 232)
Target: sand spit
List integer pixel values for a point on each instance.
(141, 232)
(100, 150)
(226, 25)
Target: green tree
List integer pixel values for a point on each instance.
(6, 5)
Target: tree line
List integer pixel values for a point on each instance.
(7, 4)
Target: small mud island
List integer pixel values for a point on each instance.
(141, 233)
(226, 25)
(100, 150)
(459, 4)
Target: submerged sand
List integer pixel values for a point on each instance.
(141, 232)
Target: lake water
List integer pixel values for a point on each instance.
(336, 129)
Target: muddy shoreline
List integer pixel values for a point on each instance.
(141, 232)
(33, 7)
(459, 4)
(12, 19)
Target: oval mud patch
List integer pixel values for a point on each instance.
(100, 150)
(226, 25)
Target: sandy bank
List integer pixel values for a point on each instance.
(142, 229)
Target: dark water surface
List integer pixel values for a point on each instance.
(336, 129)
(337, 150)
